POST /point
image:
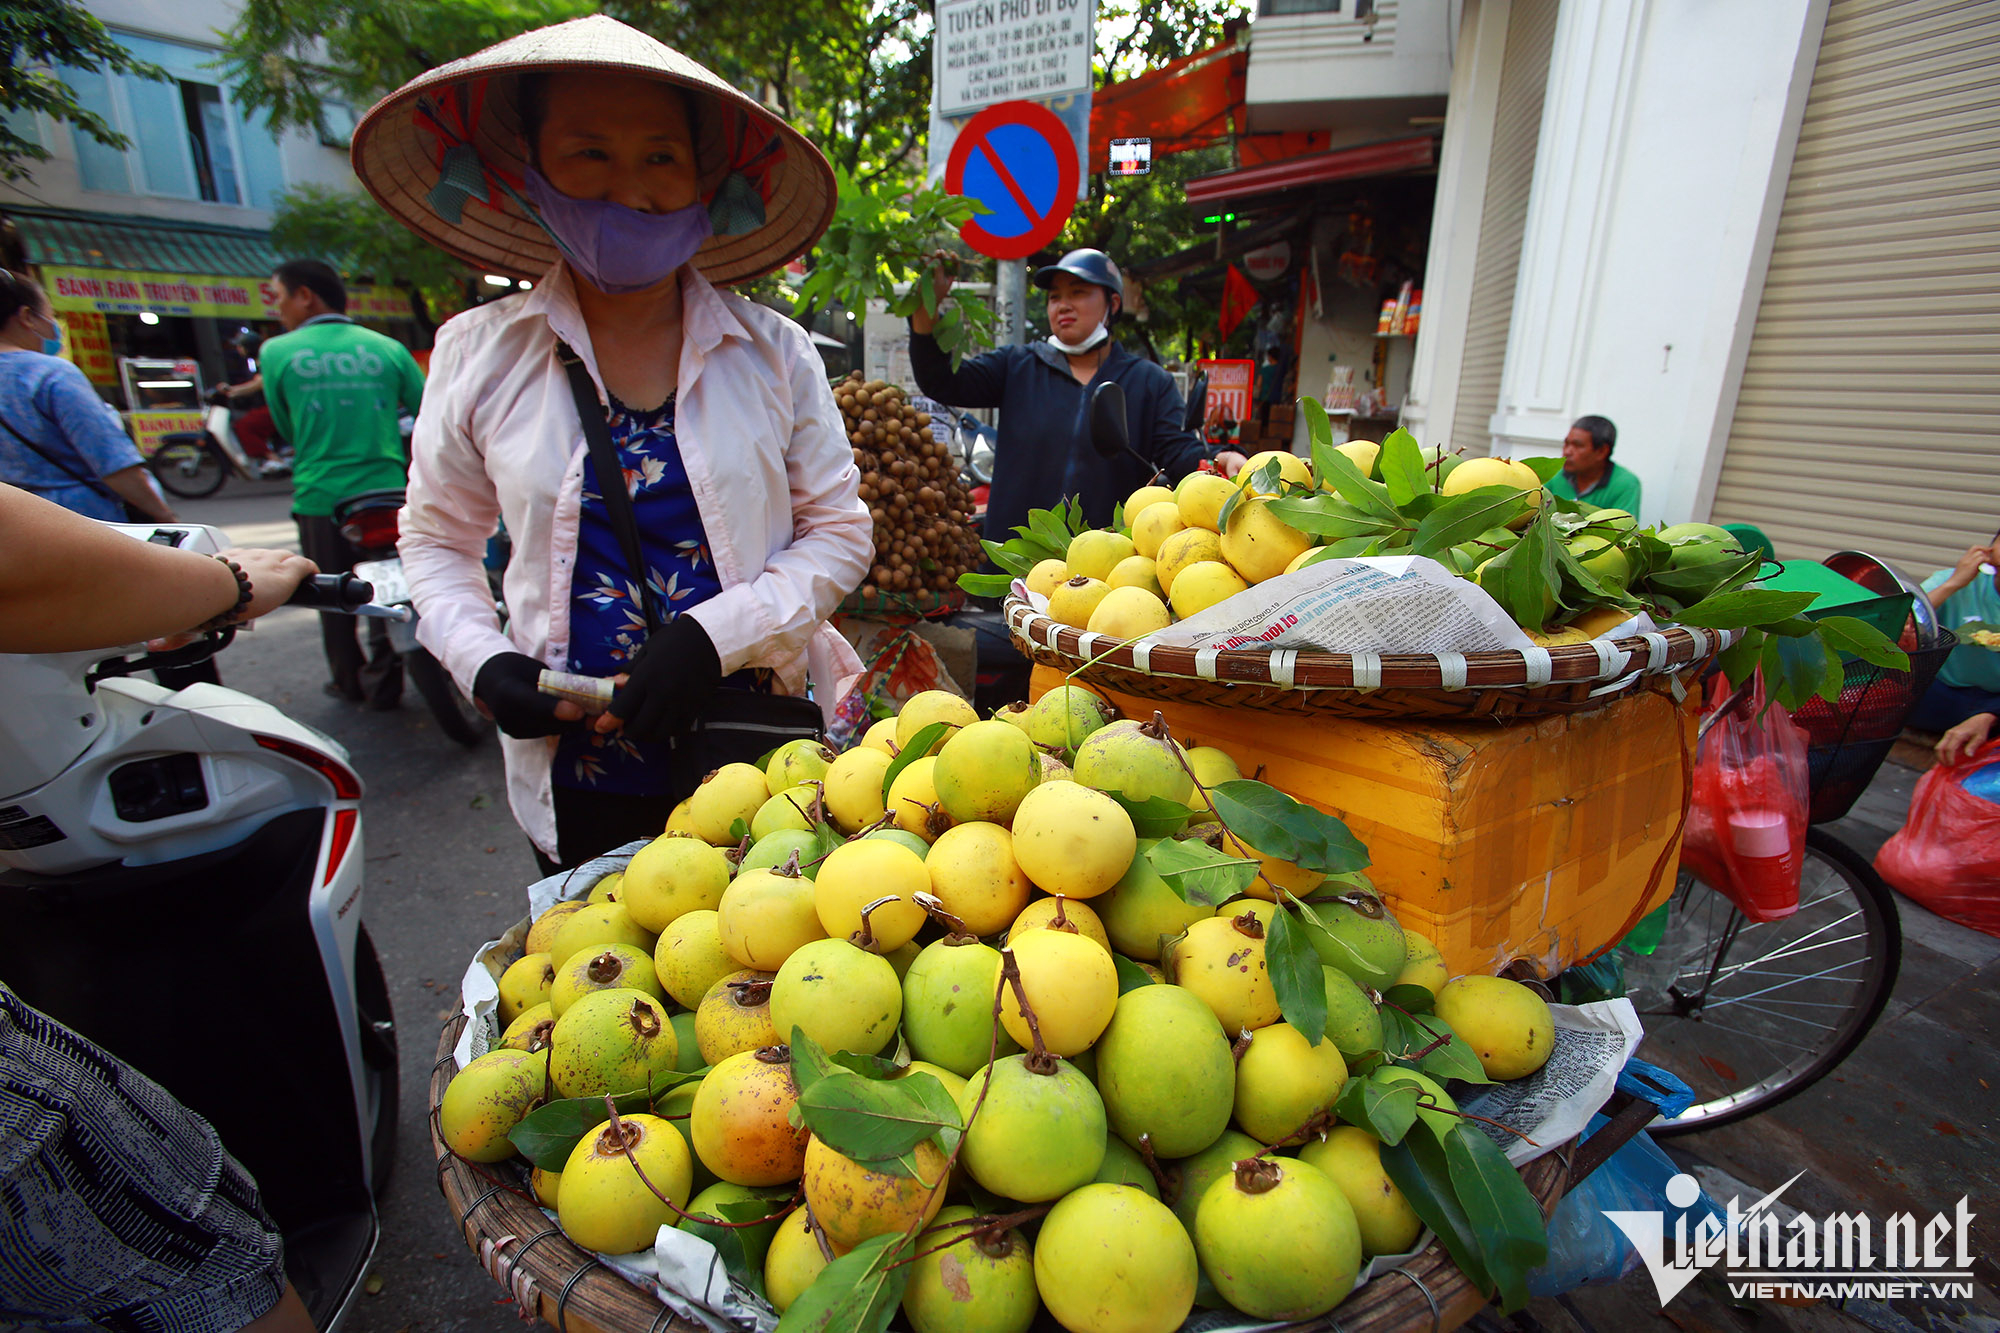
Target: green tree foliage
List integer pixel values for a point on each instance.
(36, 36)
(350, 231)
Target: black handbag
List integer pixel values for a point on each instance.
(737, 726)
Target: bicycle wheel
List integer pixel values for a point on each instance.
(189, 468)
(457, 716)
(1752, 1014)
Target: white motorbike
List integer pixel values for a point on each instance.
(181, 877)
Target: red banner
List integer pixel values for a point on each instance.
(1237, 298)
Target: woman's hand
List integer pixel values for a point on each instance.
(1964, 740)
(670, 682)
(922, 322)
(1230, 462)
(274, 576)
(508, 689)
(1962, 574)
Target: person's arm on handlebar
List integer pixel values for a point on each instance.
(70, 584)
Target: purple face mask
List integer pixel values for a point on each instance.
(614, 248)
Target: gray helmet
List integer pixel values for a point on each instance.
(1092, 266)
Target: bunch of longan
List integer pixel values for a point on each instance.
(925, 535)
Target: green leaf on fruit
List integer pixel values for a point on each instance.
(856, 1293)
(868, 1066)
(809, 1062)
(1401, 464)
(1386, 1110)
(1277, 825)
(1199, 873)
(1745, 606)
(1295, 976)
(1544, 466)
(1504, 1217)
(1410, 999)
(1130, 975)
(987, 585)
(1447, 1056)
(739, 829)
(1846, 634)
(920, 745)
(1463, 518)
(1338, 471)
(1334, 519)
(1154, 817)
(877, 1121)
(549, 1134)
(1417, 1166)
(1691, 584)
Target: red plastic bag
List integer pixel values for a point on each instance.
(1947, 854)
(1746, 831)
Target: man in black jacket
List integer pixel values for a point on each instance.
(1042, 389)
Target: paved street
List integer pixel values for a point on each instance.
(1907, 1123)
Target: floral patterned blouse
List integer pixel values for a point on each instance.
(607, 619)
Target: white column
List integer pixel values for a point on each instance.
(1463, 160)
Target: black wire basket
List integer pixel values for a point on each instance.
(1850, 739)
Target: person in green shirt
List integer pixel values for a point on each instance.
(1967, 688)
(1589, 474)
(336, 391)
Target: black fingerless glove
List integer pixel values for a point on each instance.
(669, 682)
(507, 684)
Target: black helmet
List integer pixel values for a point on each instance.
(1092, 266)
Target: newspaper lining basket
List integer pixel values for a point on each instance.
(549, 1276)
(1533, 682)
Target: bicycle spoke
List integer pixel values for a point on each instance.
(1789, 1019)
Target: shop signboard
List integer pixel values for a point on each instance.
(1267, 263)
(87, 344)
(1131, 157)
(1229, 385)
(988, 51)
(122, 292)
(149, 428)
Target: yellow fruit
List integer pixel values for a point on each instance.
(793, 1261)
(1073, 602)
(543, 933)
(1302, 559)
(857, 874)
(1094, 552)
(984, 771)
(1351, 1158)
(488, 1098)
(741, 1124)
(765, 915)
(1272, 873)
(690, 958)
(1221, 959)
(921, 710)
(1139, 501)
(1259, 544)
(880, 736)
(1507, 1025)
(1423, 965)
(1361, 453)
(913, 800)
(796, 762)
(614, 965)
(606, 889)
(1129, 613)
(671, 876)
(1291, 468)
(1203, 584)
(604, 1205)
(1137, 571)
(593, 926)
(1141, 912)
(1113, 1259)
(854, 788)
(1600, 620)
(982, 1285)
(1154, 525)
(854, 1203)
(1200, 498)
(1474, 473)
(1187, 547)
(791, 809)
(730, 793)
(1211, 765)
(1283, 1080)
(1046, 574)
(1278, 1239)
(973, 873)
(1077, 919)
(547, 1186)
(1072, 840)
(531, 1030)
(614, 1041)
(677, 821)
(735, 1016)
(524, 985)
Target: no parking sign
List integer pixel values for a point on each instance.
(1019, 160)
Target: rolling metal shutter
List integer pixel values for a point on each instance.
(1517, 128)
(1869, 415)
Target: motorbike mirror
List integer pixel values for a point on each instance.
(1107, 420)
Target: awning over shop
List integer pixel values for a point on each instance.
(1190, 103)
(85, 240)
(1376, 159)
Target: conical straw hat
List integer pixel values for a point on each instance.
(450, 141)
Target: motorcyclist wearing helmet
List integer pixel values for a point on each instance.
(1042, 389)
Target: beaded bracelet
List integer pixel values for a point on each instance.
(243, 591)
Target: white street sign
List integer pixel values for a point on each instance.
(990, 51)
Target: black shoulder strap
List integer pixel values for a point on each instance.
(610, 477)
(95, 483)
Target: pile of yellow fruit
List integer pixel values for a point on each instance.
(1141, 1085)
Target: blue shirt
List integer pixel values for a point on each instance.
(49, 401)
(1970, 667)
(607, 621)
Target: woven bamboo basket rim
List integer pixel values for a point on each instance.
(1529, 668)
(550, 1277)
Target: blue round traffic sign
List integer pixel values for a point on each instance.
(1019, 160)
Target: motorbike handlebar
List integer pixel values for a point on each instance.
(333, 592)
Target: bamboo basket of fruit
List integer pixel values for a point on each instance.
(1047, 967)
(1565, 574)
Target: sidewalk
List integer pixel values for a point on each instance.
(1906, 1124)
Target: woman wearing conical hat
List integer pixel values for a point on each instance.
(629, 184)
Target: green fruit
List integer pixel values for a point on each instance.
(1351, 1157)
(803, 760)
(676, 1109)
(1037, 1136)
(1604, 561)
(689, 957)
(1135, 760)
(902, 838)
(688, 1053)
(1141, 913)
(984, 770)
(948, 1006)
(1066, 716)
(1283, 1081)
(1164, 1069)
(1353, 1023)
(671, 876)
(756, 1240)
(616, 965)
(1432, 1096)
(487, 1098)
(1279, 1240)
(840, 995)
(1696, 544)
(1122, 1166)
(1365, 942)
(774, 849)
(1206, 1167)
(793, 808)
(1112, 1259)
(612, 1041)
(603, 1204)
(985, 1284)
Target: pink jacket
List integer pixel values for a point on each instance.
(766, 453)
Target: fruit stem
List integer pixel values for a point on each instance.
(865, 937)
(742, 849)
(752, 993)
(605, 967)
(1316, 1126)
(1241, 1046)
(1258, 1175)
(818, 1231)
(625, 1134)
(1152, 1160)
(1156, 728)
(774, 1055)
(1248, 925)
(1039, 1060)
(1060, 921)
(983, 1232)
(934, 905)
(790, 869)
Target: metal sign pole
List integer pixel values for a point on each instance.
(1010, 288)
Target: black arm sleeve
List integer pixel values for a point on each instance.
(979, 381)
(1170, 444)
